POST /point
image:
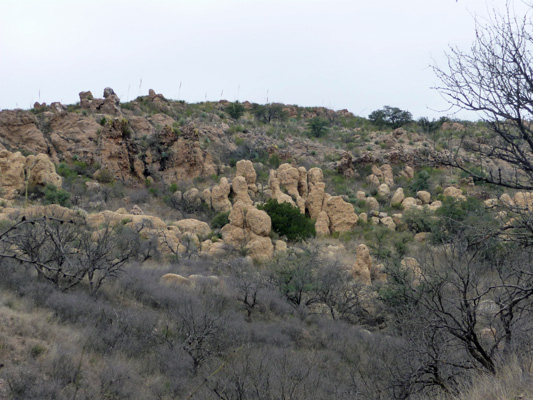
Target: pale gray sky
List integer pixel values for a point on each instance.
(354, 54)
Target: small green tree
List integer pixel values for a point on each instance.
(318, 127)
(53, 195)
(392, 117)
(235, 110)
(288, 221)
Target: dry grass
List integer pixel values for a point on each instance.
(513, 382)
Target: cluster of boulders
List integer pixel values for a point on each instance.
(18, 173)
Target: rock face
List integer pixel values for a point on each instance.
(249, 228)
(363, 265)
(18, 130)
(16, 171)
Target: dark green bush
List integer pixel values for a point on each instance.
(318, 126)
(288, 221)
(220, 220)
(235, 110)
(53, 195)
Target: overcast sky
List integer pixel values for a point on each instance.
(354, 54)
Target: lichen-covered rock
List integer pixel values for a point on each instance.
(397, 197)
(342, 217)
(362, 267)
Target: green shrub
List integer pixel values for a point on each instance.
(220, 220)
(288, 221)
(235, 110)
(318, 127)
(53, 195)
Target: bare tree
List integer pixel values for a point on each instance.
(65, 252)
(495, 80)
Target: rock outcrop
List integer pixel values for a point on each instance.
(17, 171)
(249, 228)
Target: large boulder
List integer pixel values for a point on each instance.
(240, 189)
(342, 217)
(193, 226)
(322, 224)
(454, 192)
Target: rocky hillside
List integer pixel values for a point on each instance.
(304, 222)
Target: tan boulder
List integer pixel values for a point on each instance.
(506, 200)
(424, 196)
(454, 192)
(373, 179)
(377, 172)
(421, 237)
(389, 223)
(315, 199)
(260, 248)
(388, 176)
(240, 188)
(315, 175)
(280, 246)
(245, 168)
(275, 190)
(372, 203)
(397, 197)
(289, 177)
(219, 196)
(397, 218)
(362, 267)
(174, 280)
(384, 190)
(237, 215)
(524, 200)
(193, 226)
(408, 172)
(409, 202)
(258, 221)
(322, 224)
(435, 205)
(360, 195)
(342, 217)
(363, 217)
